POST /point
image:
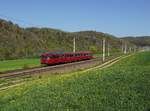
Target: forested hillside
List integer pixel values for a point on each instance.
(140, 40)
(17, 42)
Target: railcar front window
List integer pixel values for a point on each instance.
(44, 57)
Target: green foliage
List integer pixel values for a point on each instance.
(93, 49)
(124, 87)
(139, 41)
(26, 66)
(18, 64)
(17, 42)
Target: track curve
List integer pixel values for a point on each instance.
(55, 69)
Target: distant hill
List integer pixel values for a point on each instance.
(139, 41)
(17, 42)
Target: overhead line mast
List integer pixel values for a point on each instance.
(104, 49)
(125, 48)
(108, 53)
(74, 44)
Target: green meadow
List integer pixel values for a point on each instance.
(125, 86)
(8, 65)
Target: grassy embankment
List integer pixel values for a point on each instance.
(124, 87)
(8, 65)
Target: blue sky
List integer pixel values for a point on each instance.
(117, 17)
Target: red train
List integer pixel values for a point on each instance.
(51, 58)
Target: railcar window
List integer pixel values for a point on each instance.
(61, 56)
(44, 57)
(52, 57)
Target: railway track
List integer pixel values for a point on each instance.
(109, 63)
(62, 68)
(52, 69)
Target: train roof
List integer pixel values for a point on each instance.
(64, 53)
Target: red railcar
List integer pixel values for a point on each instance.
(64, 57)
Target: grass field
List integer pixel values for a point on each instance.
(9, 65)
(122, 87)
(18, 64)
